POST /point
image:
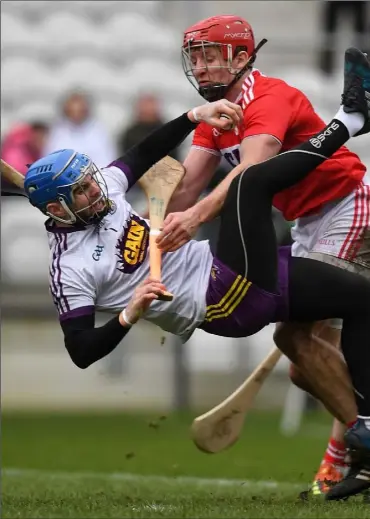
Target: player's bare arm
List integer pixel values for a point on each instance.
(179, 227)
(200, 166)
(252, 150)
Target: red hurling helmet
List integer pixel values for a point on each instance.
(227, 33)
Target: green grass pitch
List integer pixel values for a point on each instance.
(144, 465)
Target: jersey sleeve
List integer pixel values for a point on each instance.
(72, 289)
(203, 139)
(118, 175)
(269, 114)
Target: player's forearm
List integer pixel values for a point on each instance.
(181, 200)
(155, 146)
(86, 344)
(200, 167)
(210, 207)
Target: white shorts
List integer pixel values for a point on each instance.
(339, 234)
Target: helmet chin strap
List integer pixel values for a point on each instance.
(245, 68)
(72, 217)
(218, 91)
(213, 92)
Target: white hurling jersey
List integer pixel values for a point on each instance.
(98, 267)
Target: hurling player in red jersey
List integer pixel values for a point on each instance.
(331, 207)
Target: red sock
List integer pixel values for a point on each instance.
(335, 453)
(351, 424)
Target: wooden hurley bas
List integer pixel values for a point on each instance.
(159, 184)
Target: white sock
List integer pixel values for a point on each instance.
(353, 122)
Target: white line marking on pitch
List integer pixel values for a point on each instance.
(127, 476)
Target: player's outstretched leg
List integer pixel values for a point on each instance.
(247, 242)
(358, 437)
(333, 467)
(246, 218)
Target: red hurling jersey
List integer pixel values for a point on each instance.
(271, 106)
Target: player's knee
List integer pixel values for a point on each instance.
(296, 376)
(285, 335)
(284, 340)
(291, 338)
(251, 186)
(253, 182)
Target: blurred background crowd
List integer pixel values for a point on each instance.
(98, 76)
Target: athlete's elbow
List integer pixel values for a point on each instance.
(81, 362)
(188, 201)
(190, 196)
(78, 357)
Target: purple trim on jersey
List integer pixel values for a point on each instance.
(56, 286)
(77, 312)
(50, 226)
(53, 287)
(65, 248)
(58, 273)
(238, 308)
(125, 169)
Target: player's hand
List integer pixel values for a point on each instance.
(211, 113)
(144, 294)
(178, 229)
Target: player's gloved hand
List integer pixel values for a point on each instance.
(178, 228)
(144, 294)
(211, 113)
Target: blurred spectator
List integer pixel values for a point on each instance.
(358, 13)
(24, 144)
(78, 129)
(148, 117)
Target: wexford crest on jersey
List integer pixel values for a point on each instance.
(112, 206)
(132, 246)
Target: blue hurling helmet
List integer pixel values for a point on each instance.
(55, 177)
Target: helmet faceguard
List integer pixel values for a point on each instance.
(60, 177)
(228, 35)
(87, 214)
(214, 91)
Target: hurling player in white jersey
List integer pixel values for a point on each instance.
(100, 251)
